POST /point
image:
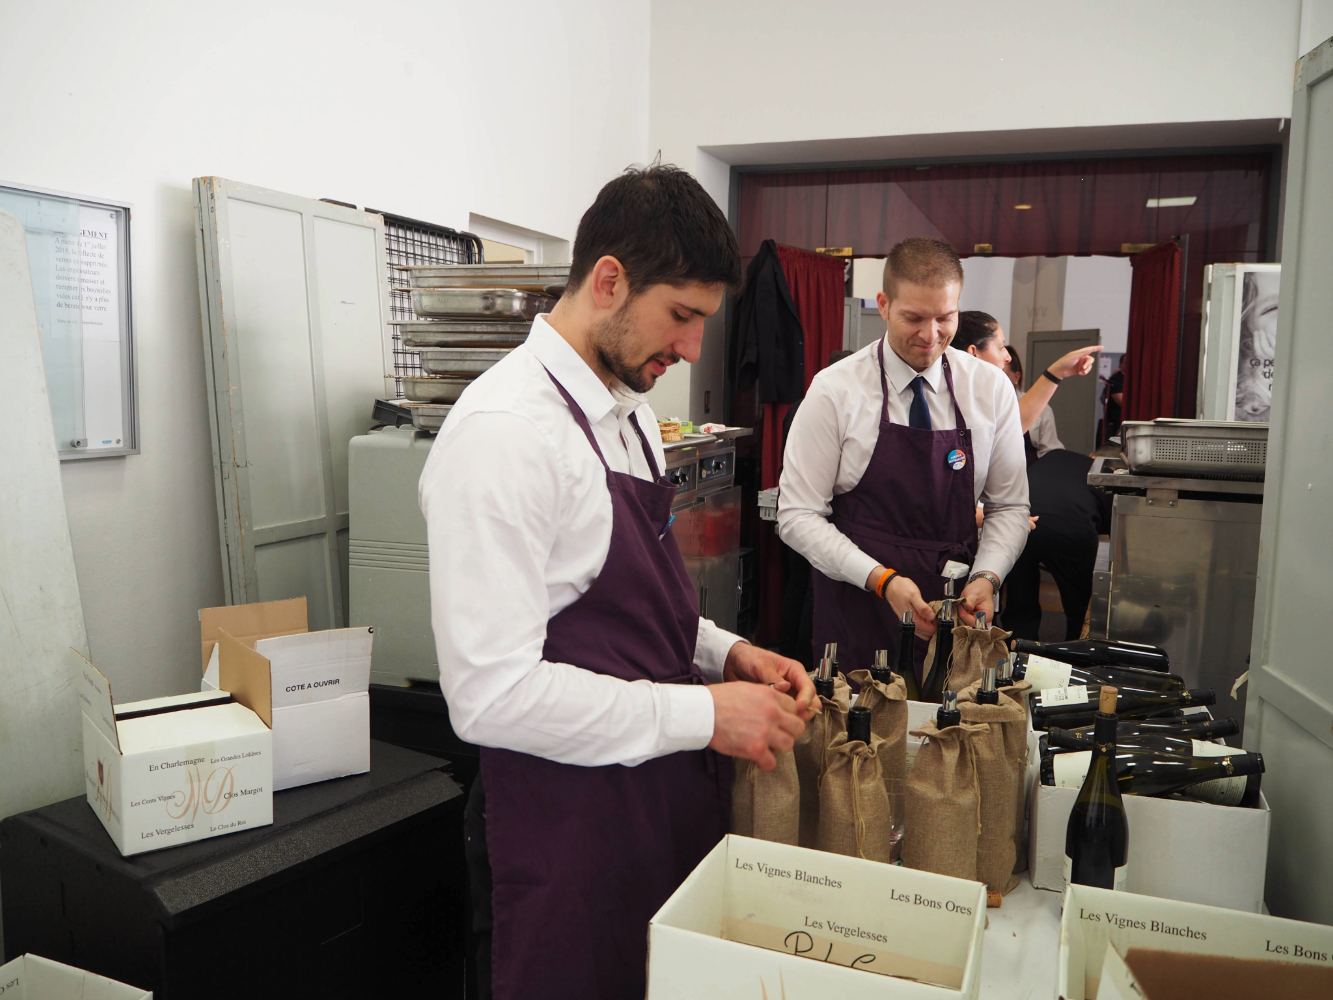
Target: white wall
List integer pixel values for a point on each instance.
(754, 81)
(429, 108)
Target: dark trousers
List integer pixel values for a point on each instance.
(479, 885)
(1071, 560)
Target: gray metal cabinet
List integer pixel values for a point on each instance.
(1289, 717)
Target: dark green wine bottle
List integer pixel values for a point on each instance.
(932, 689)
(1097, 836)
(1095, 652)
(879, 669)
(1179, 740)
(907, 655)
(858, 722)
(1073, 706)
(1043, 673)
(824, 672)
(948, 714)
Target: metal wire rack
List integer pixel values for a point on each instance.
(411, 241)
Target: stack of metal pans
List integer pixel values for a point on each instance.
(468, 317)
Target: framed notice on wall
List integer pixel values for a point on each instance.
(79, 254)
(1236, 350)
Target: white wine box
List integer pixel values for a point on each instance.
(1106, 937)
(31, 977)
(1178, 849)
(759, 919)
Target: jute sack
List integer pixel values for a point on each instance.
(888, 720)
(766, 805)
(1000, 781)
(974, 648)
(930, 649)
(940, 834)
(853, 804)
(1018, 691)
(810, 752)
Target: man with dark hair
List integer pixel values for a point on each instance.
(569, 638)
(887, 459)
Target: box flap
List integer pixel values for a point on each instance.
(318, 666)
(1169, 975)
(95, 698)
(244, 674)
(36, 978)
(251, 622)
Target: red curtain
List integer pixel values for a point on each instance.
(817, 286)
(1154, 333)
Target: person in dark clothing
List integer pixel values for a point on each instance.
(1113, 398)
(1070, 515)
(797, 623)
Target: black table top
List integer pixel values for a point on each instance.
(309, 822)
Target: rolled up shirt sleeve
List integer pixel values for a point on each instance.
(711, 649)
(1004, 532)
(490, 537)
(805, 496)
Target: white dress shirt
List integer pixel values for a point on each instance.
(1043, 435)
(835, 431)
(518, 517)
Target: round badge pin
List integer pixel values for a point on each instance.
(956, 459)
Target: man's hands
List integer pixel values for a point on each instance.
(763, 706)
(1077, 362)
(902, 593)
(978, 595)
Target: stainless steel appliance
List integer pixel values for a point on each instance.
(1184, 556)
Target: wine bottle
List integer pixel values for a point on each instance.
(1097, 652)
(948, 713)
(1173, 725)
(933, 688)
(907, 655)
(1215, 773)
(1163, 741)
(824, 673)
(1097, 835)
(879, 669)
(858, 722)
(988, 693)
(1072, 706)
(1007, 677)
(1043, 673)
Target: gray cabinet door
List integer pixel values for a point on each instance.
(1289, 712)
(294, 297)
(1074, 406)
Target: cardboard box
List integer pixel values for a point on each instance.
(1144, 974)
(31, 977)
(1177, 848)
(173, 770)
(762, 919)
(314, 685)
(1098, 924)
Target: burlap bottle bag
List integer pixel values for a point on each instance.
(811, 751)
(1000, 779)
(974, 648)
(930, 649)
(1016, 742)
(942, 802)
(766, 805)
(888, 720)
(853, 803)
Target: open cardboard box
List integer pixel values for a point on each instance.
(762, 919)
(1184, 951)
(173, 770)
(31, 977)
(311, 687)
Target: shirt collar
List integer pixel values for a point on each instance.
(900, 373)
(571, 371)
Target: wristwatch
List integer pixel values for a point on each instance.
(988, 576)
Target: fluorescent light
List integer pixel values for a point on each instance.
(1182, 202)
(1023, 207)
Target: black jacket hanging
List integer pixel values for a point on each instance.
(769, 344)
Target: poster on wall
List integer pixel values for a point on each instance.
(1255, 340)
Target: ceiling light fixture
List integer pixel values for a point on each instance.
(1023, 208)
(1181, 202)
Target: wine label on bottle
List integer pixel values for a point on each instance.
(1219, 791)
(1043, 673)
(1120, 881)
(1071, 768)
(1076, 695)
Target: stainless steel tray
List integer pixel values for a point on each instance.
(460, 362)
(463, 333)
(488, 303)
(434, 388)
(427, 417)
(528, 277)
(1177, 447)
(430, 416)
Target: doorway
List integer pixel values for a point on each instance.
(1075, 405)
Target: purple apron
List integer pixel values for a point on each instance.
(582, 857)
(912, 511)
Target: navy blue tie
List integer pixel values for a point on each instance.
(919, 415)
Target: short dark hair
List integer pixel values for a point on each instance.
(975, 329)
(922, 261)
(662, 226)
